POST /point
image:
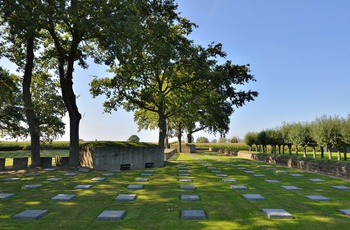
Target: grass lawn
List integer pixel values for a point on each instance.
(158, 204)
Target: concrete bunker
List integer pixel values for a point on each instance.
(108, 155)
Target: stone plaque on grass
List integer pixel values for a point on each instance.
(63, 197)
(98, 179)
(290, 187)
(83, 170)
(253, 197)
(341, 187)
(221, 175)
(277, 213)
(193, 215)
(183, 174)
(317, 198)
(185, 180)
(6, 195)
(316, 180)
(249, 171)
(135, 186)
(83, 186)
(345, 211)
(187, 187)
(238, 187)
(141, 179)
(11, 179)
(272, 181)
(146, 174)
(259, 175)
(50, 169)
(112, 215)
(296, 175)
(126, 197)
(31, 214)
(70, 174)
(190, 197)
(108, 174)
(229, 180)
(29, 186)
(54, 179)
(31, 174)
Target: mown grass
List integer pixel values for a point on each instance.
(158, 205)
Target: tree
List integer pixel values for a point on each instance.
(202, 140)
(21, 29)
(48, 106)
(70, 32)
(222, 140)
(234, 140)
(166, 73)
(11, 107)
(133, 138)
(250, 139)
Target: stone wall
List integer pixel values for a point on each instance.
(120, 157)
(340, 168)
(169, 153)
(185, 148)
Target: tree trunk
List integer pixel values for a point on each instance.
(179, 135)
(339, 154)
(283, 149)
(296, 151)
(189, 137)
(28, 104)
(322, 152)
(314, 152)
(345, 157)
(304, 155)
(290, 149)
(162, 128)
(329, 153)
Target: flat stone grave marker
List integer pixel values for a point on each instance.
(249, 171)
(112, 215)
(190, 197)
(108, 174)
(317, 198)
(296, 175)
(215, 171)
(193, 215)
(272, 181)
(183, 174)
(281, 171)
(316, 180)
(185, 180)
(253, 197)
(6, 195)
(31, 214)
(135, 186)
(184, 171)
(146, 174)
(11, 179)
(98, 179)
(141, 179)
(277, 213)
(126, 197)
(29, 186)
(183, 165)
(181, 168)
(83, 170)
(63, 197)
(50, 169)
(70, 174)
(290, 187)
(345, 211)
(149, 171)
(238, 187)
(229, 180)
(221, 175)
(258, 175)
(271, 169)
(83, 186)
(187, 187)
(341, 187)
(54, 179)
(31, 174)
(211, 167)
(242, 168)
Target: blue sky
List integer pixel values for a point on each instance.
(298, 50)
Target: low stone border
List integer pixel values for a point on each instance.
(340, 168)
